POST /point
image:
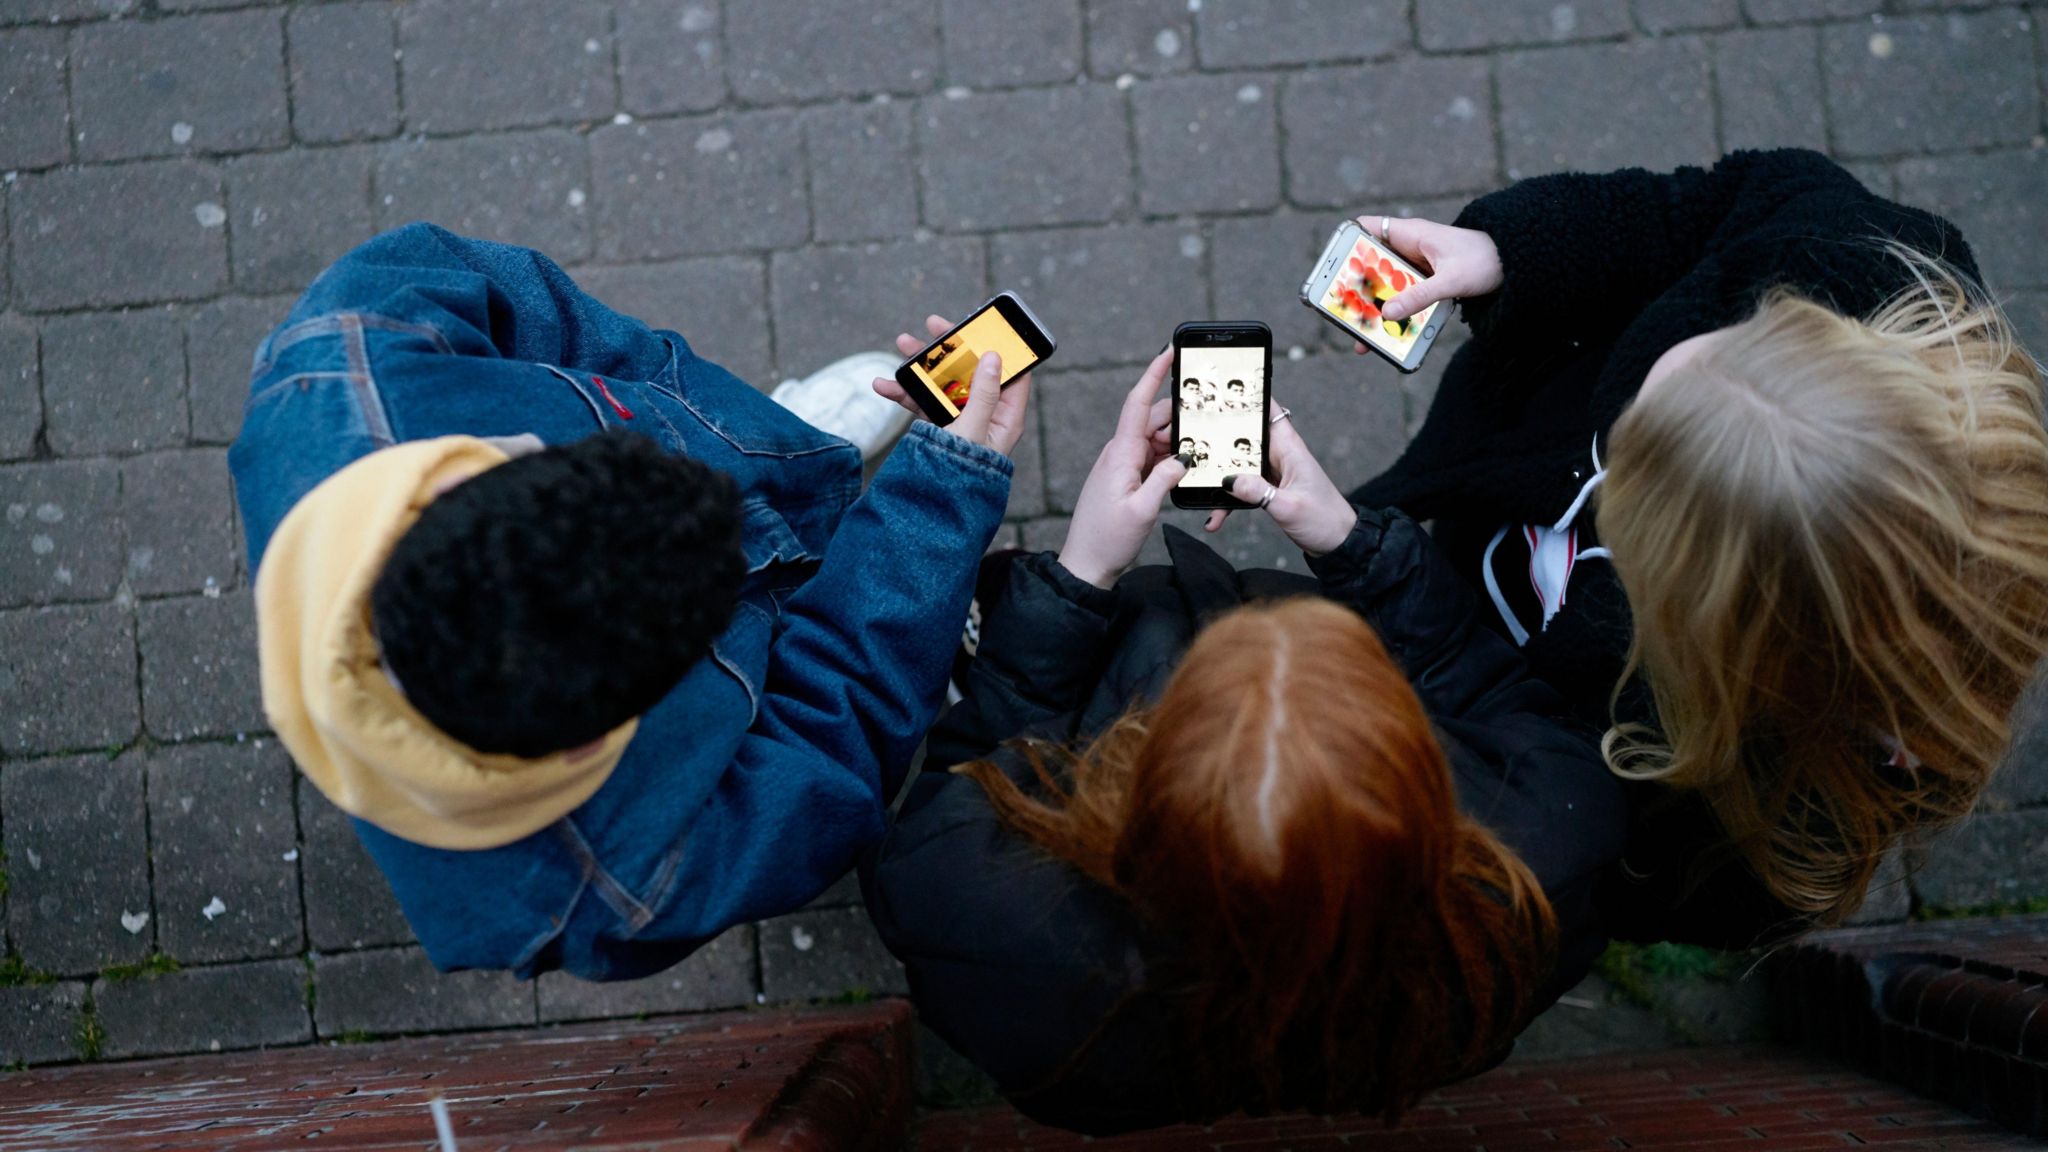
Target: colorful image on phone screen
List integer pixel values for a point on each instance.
(1369, 278)
(1222, 413)
(947, 367)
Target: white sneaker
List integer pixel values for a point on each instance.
(840, 398)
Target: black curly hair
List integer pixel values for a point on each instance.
(549, 600)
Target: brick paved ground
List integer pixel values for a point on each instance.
(784, 180)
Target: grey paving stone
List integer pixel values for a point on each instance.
(1259, 33)
(39, 1022)
(344, 71)
(6, 271)
(718, 975)
(784, 50)
(125, 234)
(488, 64)
(1452, 25)
(2029, 313)
(844, 893)
(1660, 16)
(1257, 264)
(718, 303)
(34, 123)
(77, 862)
(397, 990)
(295, 213)
(670, 59)
(1769, 84)
(1781, 11)
(700, 185)
(179, 511)
(1349, 408)
(1044, 534)
(348, 903)
(1592, 1018)
(1045, 156)
(60, 535)
(224, 848)
(1931, 83)
(27, 11)
(1110, 295)
(831, 302)
(1889, 897)
(21, 388)
(114, 381)
(1077, 411)
(815, 955)
(2023, 777)
(1141, 37)
(1207, 144)
(1557, 107)
(1337, 157)
(199, 674)
(220, 343)
(1996, 200)
(1023, 42)
(67, 680)
(212, 83)
(863, 180)
(1992, 858)
(204, 1009)
(1027, 485)
(1420, 386)
(521, 188)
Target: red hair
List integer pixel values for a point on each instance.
(1344, 938)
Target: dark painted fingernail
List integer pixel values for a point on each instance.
(1187, 459)
(1229, 483)
(1164, 348)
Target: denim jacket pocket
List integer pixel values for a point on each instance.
(767, 538)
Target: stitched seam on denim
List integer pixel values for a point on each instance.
(332, 322)
(375, 420)
(577, 385)
(753, 698)
(297, 378)
(968, 452)
(834, 443)
(613, 893)
(533, 946)
(663, 885)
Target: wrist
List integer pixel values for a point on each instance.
(1087, 569)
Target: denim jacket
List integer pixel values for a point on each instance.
(753, 784)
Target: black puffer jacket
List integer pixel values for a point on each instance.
(1602, 275)
(1017, 959)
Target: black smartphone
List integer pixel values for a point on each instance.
(939, 375)
(1221, 406)
(1352, 278)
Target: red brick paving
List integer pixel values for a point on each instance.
(807, 1082)
(1748, 1099)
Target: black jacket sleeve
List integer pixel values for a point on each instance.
(1042, 641)
(1523, 766)
(1576, 246)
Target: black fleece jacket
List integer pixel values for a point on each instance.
(1601, 275)
(1017, 959)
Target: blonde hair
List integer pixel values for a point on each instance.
(1834, 538)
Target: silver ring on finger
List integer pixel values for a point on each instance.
(1386, 229)
(1268, 497)
(1279, 414)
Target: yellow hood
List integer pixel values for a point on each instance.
(327, 694)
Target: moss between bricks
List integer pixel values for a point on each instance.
(2031, 907)
(158, 964)
(90, 1037)
(15, 972)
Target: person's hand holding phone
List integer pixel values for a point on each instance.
(1120, 502)
(993, 415)
(1305, 504)
(1461, 262)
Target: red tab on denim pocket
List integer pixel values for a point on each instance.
(624, 412)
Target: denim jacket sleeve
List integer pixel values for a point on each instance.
(856, 675)
(417, 305)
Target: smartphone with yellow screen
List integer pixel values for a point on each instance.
(1353, 277)
(939, 375)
